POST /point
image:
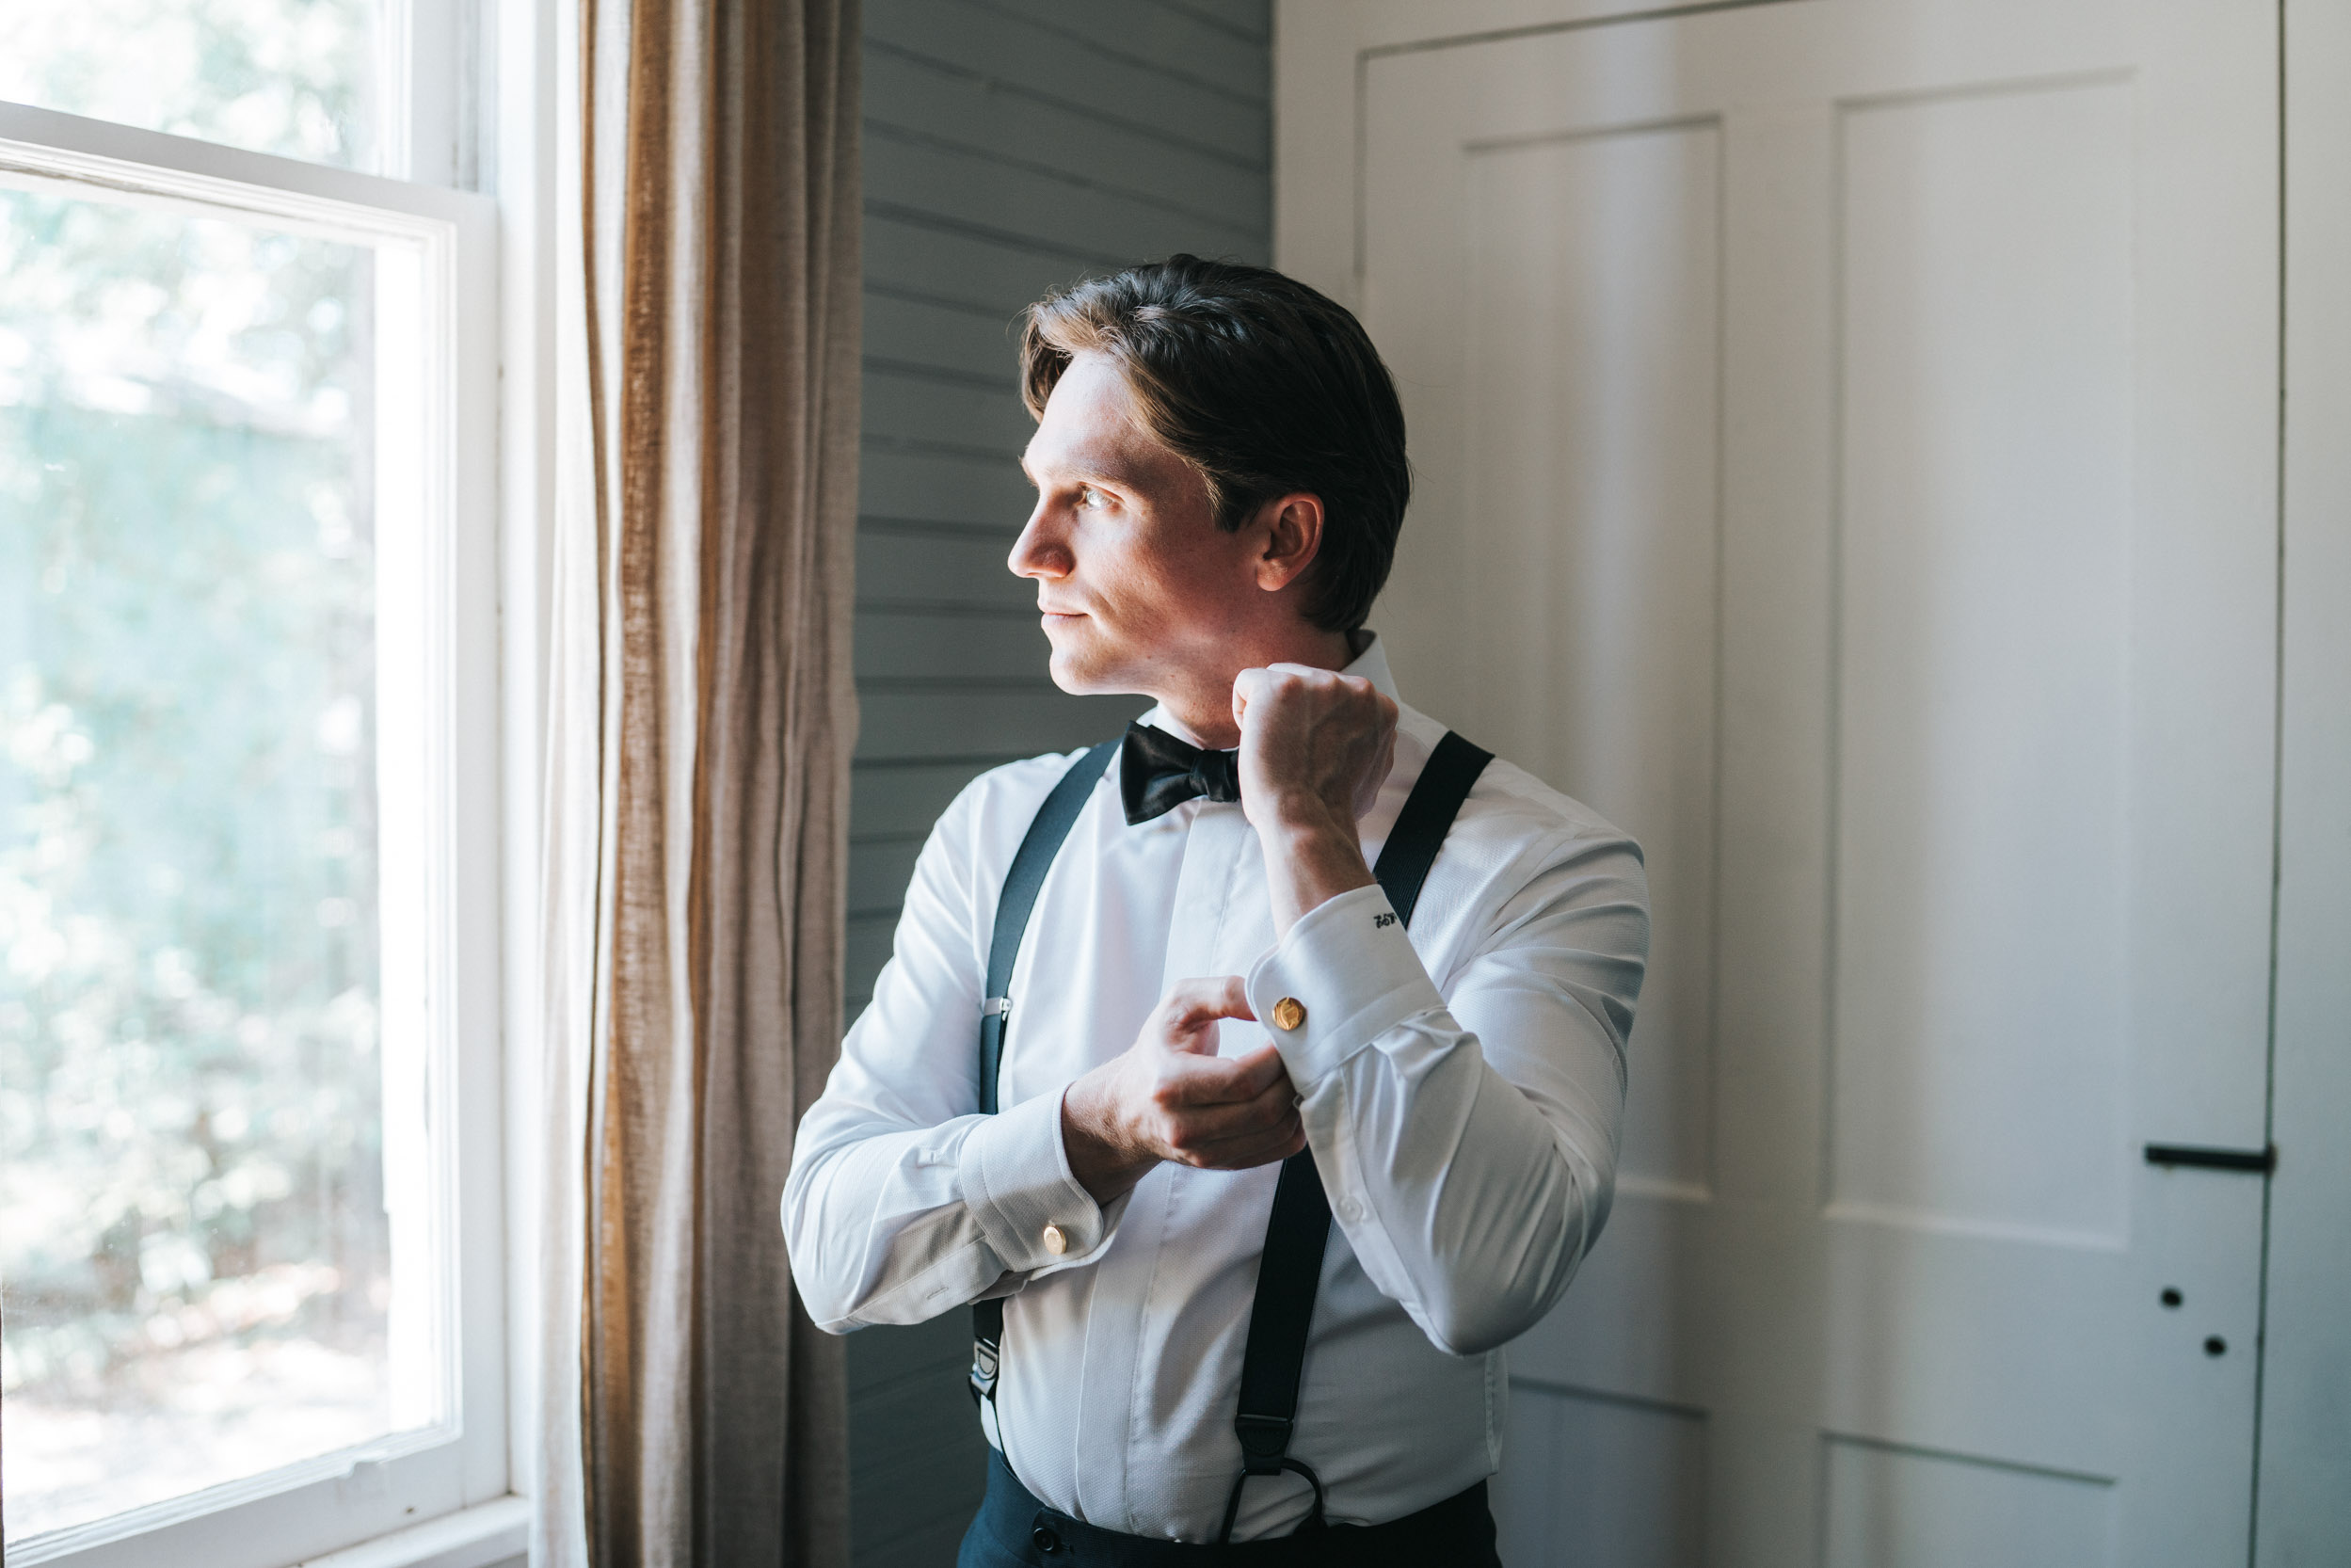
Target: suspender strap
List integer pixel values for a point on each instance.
(1013, 906)
(1288, 1275)
(1290, 1271)
(1444, 784)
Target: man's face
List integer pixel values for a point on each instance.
(1137, 586)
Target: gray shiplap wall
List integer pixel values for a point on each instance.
(1010, 146)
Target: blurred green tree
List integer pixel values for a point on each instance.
(190, 1139)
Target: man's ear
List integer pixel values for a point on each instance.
(1292, 527)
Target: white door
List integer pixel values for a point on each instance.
(1847, 437)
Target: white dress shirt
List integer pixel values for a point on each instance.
(1462, 1091)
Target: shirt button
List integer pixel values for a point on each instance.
(1056, 1240)
(1350, 1209)
(1290, 1013)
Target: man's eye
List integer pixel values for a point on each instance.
(1089, 496)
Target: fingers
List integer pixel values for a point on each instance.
(1186, 1019)
(1242, 1154)
(1213, 1112)
(1283, 1135)
(1239, 1148)
(1287, 679)
(1190, 1080)
(1227, 1105)
(1246, 686)
(1231, 1135)
(1191, 1006)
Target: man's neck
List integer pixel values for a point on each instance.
(1203, 703)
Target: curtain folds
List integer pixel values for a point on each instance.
(701, 720)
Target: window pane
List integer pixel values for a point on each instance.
(198, 1264)
(298, 77)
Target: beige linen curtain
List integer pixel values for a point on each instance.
(701, 722)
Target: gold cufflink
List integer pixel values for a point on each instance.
(1056, 1240)
(1290, 1013)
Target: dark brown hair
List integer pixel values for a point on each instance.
(1264, 386)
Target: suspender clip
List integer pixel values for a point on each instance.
(1264, 1439)
(984, 1360)
(995, 1006)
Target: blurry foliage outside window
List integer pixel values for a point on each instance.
(195, 1270)
(301, 78)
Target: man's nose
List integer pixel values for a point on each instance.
(1039, 552)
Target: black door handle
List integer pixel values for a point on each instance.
(2265, 1161)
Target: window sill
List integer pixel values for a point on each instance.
(486, 1536)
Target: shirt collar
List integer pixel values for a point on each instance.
(1370, 665)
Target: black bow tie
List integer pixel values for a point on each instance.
(1157, 773)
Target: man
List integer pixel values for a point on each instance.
(1209, 985)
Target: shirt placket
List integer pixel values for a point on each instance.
(1136, 1280)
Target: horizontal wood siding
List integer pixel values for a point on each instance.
(1011, 146)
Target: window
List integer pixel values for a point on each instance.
(248, 1004)
(303, 78)
(373, 86)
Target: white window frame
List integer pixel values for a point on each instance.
(443, 1498)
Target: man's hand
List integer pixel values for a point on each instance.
(1315, 748)
(1169, 1097)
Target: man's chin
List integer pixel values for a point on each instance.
(1074, 675)
(1083, 671)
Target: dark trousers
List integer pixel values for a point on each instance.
(1014, 1530)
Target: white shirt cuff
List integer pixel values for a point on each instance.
(1017, 1184)
(1349, 975)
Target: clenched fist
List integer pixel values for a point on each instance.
(1314, 747)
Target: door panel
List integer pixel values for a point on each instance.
(1610, 1481)
(1928, 1510)
(1845, 436)
(1982, 619)
(1590, 524)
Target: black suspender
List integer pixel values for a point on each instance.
(1290, 1271)
(1428, 816)
(1034, 857)
(1274, 1361)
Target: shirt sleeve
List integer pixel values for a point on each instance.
(904, 1200)
(1467, 1138)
